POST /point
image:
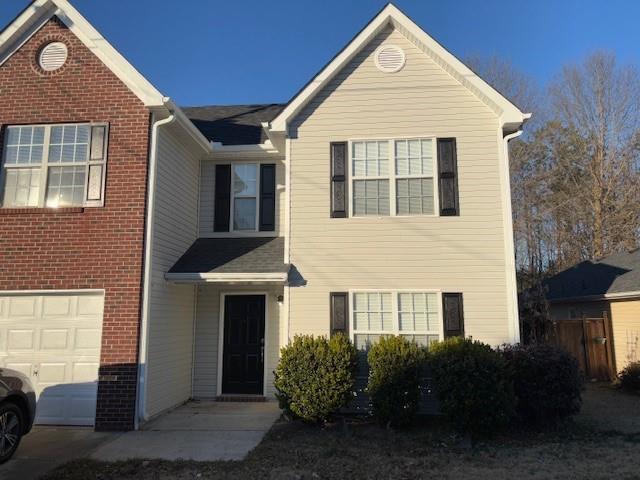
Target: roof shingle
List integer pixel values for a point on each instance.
(233, 255)
(617, 273)
(233, 124)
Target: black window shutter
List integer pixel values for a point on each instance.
(453, 315)
(448, 177)
(222, 204)
(339, 180)
(267, 197)
(339, 312)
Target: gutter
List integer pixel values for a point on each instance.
(188, 125)
(141, 391)
(598, 298)
(509, 244)
(276, 277)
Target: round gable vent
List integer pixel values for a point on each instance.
(389, 58)
(53, 56)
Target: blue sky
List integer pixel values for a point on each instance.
(259, 51)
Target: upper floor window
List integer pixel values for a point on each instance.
(54, 165)
(393, 177)
(244, 197)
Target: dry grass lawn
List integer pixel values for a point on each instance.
(577, 449)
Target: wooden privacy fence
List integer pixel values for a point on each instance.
(590, 341)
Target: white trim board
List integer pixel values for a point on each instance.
(597, 298)
(88, 291)
(277, 277)
(40, 11)
(510, 115)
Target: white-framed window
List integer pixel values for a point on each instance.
(394, 177)
(53, 165)
(245, 196)
(413, 314)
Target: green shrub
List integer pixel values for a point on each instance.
(546, 381)
(315, 376)
(629, 377)
(395, 364)
(473, 385)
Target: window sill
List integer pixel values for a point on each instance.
(28, 210)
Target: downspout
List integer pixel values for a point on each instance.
(141, 391)
(510, 252)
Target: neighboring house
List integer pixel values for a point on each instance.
(611, 287)
(152, 254)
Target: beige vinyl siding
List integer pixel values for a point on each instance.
(625, 316)
(171, 307)
(207, 190)
(205, 375)
(458, 254)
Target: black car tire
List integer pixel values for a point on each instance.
(11, 426)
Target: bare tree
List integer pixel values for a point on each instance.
(524, 168)
(599, 102)
(575, 179)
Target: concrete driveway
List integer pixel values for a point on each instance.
(202, 431)
(47, 447)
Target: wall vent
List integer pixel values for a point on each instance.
(389, 58)
(53, 56)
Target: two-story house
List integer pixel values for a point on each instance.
(151, 254)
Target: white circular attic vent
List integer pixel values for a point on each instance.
(53, 56)
(389, 58)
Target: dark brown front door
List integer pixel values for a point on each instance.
(243, 346)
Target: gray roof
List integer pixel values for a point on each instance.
(233, 255)
(233, 124)
(617, 273)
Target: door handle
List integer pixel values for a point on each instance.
(262, 350)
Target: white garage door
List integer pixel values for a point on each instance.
(55, 340)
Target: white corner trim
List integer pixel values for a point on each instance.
(509, 245)
(508, 112)
(272, 277)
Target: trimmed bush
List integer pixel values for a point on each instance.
(473, 385)
(629, 377)
(546, 380)
(315, 376)
(395, 364)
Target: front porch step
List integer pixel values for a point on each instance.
(241, 398)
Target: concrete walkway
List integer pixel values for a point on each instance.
(44, 448)
(202, 431)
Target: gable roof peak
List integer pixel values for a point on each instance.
(510, 116)
(38, 12)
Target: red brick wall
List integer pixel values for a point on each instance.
(92, 247)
